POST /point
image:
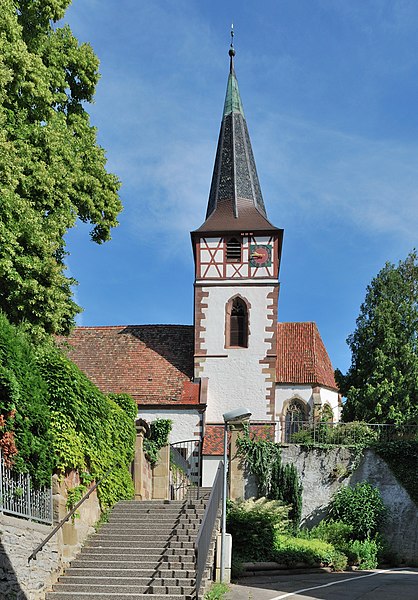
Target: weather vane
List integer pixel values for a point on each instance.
(232, 35)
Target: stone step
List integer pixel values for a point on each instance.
(160, 564)
(138, 537)
(122, 589)
(137, 553)
(123, 580)
(162, 542)
(152, 517)
(111, 570)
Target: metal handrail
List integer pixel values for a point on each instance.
(204, 536)
(69, 515)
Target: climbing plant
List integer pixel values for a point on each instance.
(275, 481)
(159, 433)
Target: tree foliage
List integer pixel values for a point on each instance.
(381, 384)
(52, 171)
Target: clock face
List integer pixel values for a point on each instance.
(260, 255)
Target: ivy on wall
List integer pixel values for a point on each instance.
(159, 434)
(54, 419)
(402, 458)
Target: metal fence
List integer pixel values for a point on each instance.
(185, 459)
(19, 497)
(304, 432)
(204, 536)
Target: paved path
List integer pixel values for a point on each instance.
(391, 584)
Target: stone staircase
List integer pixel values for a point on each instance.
(146, 548)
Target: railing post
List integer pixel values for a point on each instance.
(28, 495)
(1, 481)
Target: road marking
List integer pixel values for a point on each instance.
(316, 587)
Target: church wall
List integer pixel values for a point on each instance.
(186, 423)
(236, 377)
(210, 465)
(331, 397)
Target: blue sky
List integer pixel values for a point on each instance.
(330, 93)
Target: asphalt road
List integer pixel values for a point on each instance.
(391, 584)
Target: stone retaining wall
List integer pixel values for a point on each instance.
(324, 471)
(18, 580)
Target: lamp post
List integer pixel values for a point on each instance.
(234, 416)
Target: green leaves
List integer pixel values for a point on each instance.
(52, 171)
(361, 507)
(382, 382)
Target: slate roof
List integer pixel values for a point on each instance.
(213, 444)
(153, 363)
(235, 199)
(302, 357)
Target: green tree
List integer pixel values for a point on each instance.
(381, 384)
(52, 171)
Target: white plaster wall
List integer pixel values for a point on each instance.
(330, 397)
(185, 422)
(287, 392)
(209, 467)
(236, 378)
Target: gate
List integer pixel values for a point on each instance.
(185, 468)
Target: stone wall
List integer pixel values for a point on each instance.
(401, 529)
(18, 579)
(19, 537)
(323, 472)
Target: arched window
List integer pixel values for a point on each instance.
(294, 419)
(233, 250)
(237, 323)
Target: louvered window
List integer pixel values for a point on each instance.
(238, 324)
(233, 250)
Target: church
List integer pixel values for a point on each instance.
(236, 354)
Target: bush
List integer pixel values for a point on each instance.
(361, 507)
(337, 434)
(253, 525)
(336, 533)
(313, 552)
(364, 553)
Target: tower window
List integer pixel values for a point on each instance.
(233, 250)
(237, 324)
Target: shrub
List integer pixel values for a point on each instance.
(336, 533)
(313, 552)
(286, 486)
(253, 524)
(364, 553)
(361, 507)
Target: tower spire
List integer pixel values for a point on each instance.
(235, 190)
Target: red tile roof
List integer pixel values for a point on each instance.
(213, 444)
(153, 363)
(302, 357)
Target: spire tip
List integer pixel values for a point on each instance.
(232, 49)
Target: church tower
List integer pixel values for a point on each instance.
(237, 259)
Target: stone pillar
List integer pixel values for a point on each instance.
(161, 476)
(236, 464)
(139, 462)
